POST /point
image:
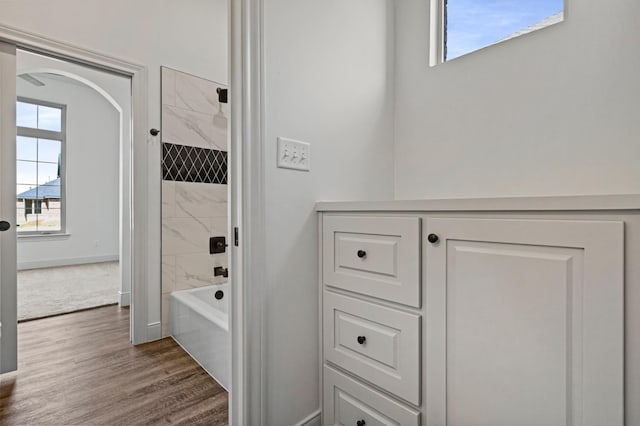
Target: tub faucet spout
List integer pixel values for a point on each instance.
(219, 271)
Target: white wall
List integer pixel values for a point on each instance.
(190, 35)
(91, 177)
(553, 112)
(328, 82)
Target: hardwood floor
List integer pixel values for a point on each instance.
(80, 369)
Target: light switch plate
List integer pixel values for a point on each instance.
(294, 154)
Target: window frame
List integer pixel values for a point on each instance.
(61, 136)
(437, 32)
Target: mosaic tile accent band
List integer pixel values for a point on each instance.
(183, 163)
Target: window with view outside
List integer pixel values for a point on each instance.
(470, 25)
(39, 167)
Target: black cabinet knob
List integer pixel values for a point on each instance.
(362, 340)
(362, 254)
(4, 225)
(361, 423)
(433, 238)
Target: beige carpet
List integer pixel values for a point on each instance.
(52, 291)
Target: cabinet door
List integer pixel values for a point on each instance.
(524, 322)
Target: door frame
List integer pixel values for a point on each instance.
(138, 167)
(8, 299)
(247, 212)
(247, 194)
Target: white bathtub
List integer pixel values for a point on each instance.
(200, 324)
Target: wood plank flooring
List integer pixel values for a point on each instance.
(80, 369)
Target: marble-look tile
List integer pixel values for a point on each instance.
(197, 94)
(166, 315)
(219, 226)
(168, 86)
(220, 280)
(168, 274)
(186, 236)
(221, 130)
(168, 198)
(190, 128)
(194, 270)
(193, 199)
(224, 110)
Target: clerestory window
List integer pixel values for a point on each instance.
(460, 27)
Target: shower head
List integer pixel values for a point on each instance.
(222, 95)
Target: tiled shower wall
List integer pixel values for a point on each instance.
(194, 185)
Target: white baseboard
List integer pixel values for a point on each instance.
(124, 298)
(312, 419)
(51, 263)
(154, 331)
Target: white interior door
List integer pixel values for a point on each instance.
(524, 322)
(8, 286)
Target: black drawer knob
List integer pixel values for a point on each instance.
(433, 238)
(361, 423)
(362, 340)
(362, 254)
(4, 225)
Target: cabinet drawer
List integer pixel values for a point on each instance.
(376, 256)
(347, 402)
(379, 344)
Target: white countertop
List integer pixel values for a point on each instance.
(555, 203)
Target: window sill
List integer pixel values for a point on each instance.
(52, 236)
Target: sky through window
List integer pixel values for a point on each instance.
(474, 24)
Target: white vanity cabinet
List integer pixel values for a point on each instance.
(438, 316)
